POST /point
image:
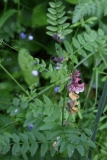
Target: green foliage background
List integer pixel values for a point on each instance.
(83, 26)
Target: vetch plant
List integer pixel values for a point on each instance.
(48, 107)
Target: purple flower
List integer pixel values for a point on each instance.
(57, 37)
(56, 59)
(56, 89)
(22, 35)
(75, 86)
(30, 127)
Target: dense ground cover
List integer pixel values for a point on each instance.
(53, 84)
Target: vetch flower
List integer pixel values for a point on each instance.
(71, 107)
(56, 89)
(30, 37)
(30, 127)
(58, 37)
(58, 66)
(35, 73)
(75, 86)
(56, 59)
(22, 35)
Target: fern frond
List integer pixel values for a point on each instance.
(105, 8)
(91, 7)
(99, 8)
(82, 9)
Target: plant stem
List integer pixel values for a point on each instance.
(13, 78)
(63, 108)
(40, 93)
(98, 115)
(84, 59)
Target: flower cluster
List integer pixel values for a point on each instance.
(74, 88)
(58, 62)
(57, 37)
(74, 85)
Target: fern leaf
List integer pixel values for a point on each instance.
(105, 8)
(83, 9)
(99, 8)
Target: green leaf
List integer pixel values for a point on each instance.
(40, 137)
(96, 157)
(62, 20)
(25, 147)
(16, 138)
(50, 33)
(58, 4)
(82, 52)
(67, 31)
(52, 11)
(68, 47)
(52, 28)
(60, 9)
(15, 149)
(63, 145)
(100, 32)
(88, 47)
(83, 137)
(23, 137)
(48, 126)
(52, 151)
(24, 104)
(52, 17)
(31, 136)
(44, 148)
(29, 120)
(41, 20)
(47, 100)
(38, 102)
(61, 14)
(80, 39)
(15, 101)
(54, 23)
(75, 43)
(50, 68)
(6, 16)
(61, 88)
(87, 37)
(8, 135)
(65, 25)
(52, 4)
(80, 149)
(26, 61)
(33, 148)
(70, 149)
(6, 149)
(90, 143)
(88, 131)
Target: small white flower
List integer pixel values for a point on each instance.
(35, 73)
(30, 37)
(16, 110)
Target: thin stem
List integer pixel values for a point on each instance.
(98, 115)
(84, 59)
(89, 89)
(9, 46)
(63, 108)
(13, 78)
(5, 6)
(40, 93)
